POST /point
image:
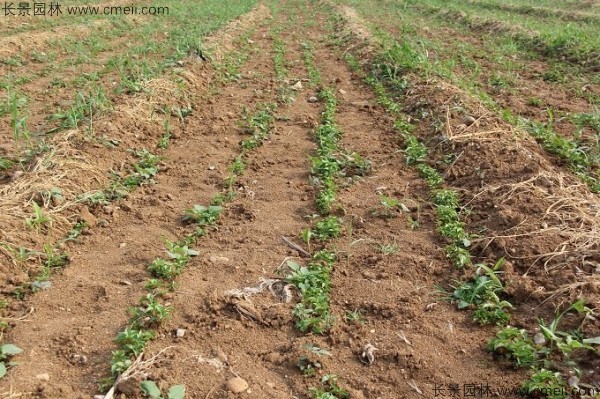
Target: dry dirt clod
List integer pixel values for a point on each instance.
(43, 377)
(237, 385)
(16, 175)
(86, 216)
(129, 387)
(218, 259)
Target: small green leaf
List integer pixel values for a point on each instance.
(592, 341)
(177, 392)
(10, 349)
(151, 389)
(2, 370)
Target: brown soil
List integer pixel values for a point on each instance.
(505, 179)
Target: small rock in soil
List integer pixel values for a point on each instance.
(129, 387)
(218, 259)
(236, 385)
(312, 99)
(179, 333)
(468, 120)
(297, 86)
(355, 394)
(43, 377)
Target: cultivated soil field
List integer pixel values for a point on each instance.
(301, 199)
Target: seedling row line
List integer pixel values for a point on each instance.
(153, 309)
(484, 291)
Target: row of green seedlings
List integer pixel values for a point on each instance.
(88, 103)
(399, 58)
(562, 47)
(153, 309)
(483, 293)
(313, 313)
(285, 95)
(53, 258)
(309, 61)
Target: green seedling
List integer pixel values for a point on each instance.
(54, 259)
(164, 140)
(483, 293)
(545, 384)
(327, 228)
(326, 197)
(151, 390)
(314, 283)
(150, 312)
(389, 207)
(133, 341)
(415, 151)
(75, 231)
(203, 215)
(389, 249)
(353, 317)
(5, 164)
(567, 342)
(309, 363)
(6, 352)
(330, 389)
(39, 221)
(515, 344)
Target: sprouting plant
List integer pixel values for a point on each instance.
(516, 345)
(39, 220)
(309, 363)
(164, 140)
(431, 176)
(152, 391)
(545, 384)
(5, 164)
(75, 231)
(203, 215)
(18, 122)
(6, 352)
(54, 259)
(389, 207)
(327, 228)
(389, 249)
(567, 342)
(133, 340)
(330, 389)
(353, 316)
(483, 294)
(238, 166)
(415, 150)
(314, 283)
(150, 312)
